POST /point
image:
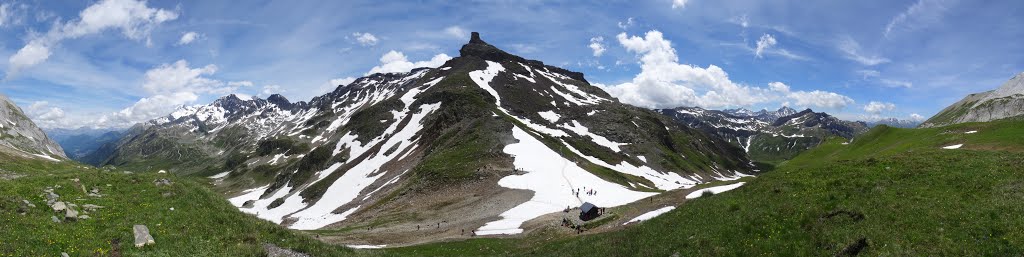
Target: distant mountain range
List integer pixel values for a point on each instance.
(79, 143)
(768, 136)
(1003, 102)
(894, 122)
(19, 136)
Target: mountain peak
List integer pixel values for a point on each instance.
(474, 38)
(477, 47)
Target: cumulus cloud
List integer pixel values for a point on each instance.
(395, 62)
(8, 15)
(625, 25)
(188, 38)
(457, 32)
(365, 39)
(679, 3)
(45, 115)
(878, 107)
(916, 117)
(133, 18)
(897, 83)
(663, 82)
(170, 86)
(271, 89)
(597, 45)
(766, 41)
(851, 50)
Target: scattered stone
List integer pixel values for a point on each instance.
(63, 254)
(275, 251)
(167, 194)
(142, 237)
(249, 204)
(71, 214)
(162, 171)
(59, 206)
(162, 182)
(91, 207)
(84, 217)
(54, 219)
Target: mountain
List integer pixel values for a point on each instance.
(79, 143)
(762, 115)
(19, 136)
(487, 142)
(768, 136)
(1003, 102)
(894, 122)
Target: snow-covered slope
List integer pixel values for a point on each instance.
(493, 140)
(1003, 102)
(19, 135)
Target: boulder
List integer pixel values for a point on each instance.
(142, 237)
(71, 214)
(162, 182)
(54, 219)
(58, 206)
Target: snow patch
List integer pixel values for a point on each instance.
(953, 146)
(715, 190)
(550, 116)
(552, 178)
(651, 214)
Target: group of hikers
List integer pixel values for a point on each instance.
(576, 192)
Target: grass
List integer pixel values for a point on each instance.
(202, 223)
(894, 188)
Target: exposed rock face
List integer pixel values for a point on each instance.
(1004, 102)
(19, 136)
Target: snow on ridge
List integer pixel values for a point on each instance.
(971, 132)
(581, 130)
(715, 190)
(47, 157)
(552, 178)
(651, 214)
(220, 175)
(366, 246)
(662, 181)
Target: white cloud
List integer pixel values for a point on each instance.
(743, 21)
(457, 32)
(663, 82)
(46, 116)
(133, 18)
(243, 83)
(878, 107)
(271, 89)
(170, 86)
(921, 13)
(916, 117)
(597, 45)
(679, 3)
(629, 23)
(766, 41)
(341, 81)
(394, 62)
(7, 15)
(188, 37)
(897, 83)
(365, 39)
(851, 50)
(869, 73)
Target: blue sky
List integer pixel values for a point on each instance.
(111, 63)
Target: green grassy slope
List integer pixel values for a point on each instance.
(894, 188)
(202, 223)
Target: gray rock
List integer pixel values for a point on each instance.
(142, 237)
(28, 204)
(275, 251)
(162, 182)
(71, 214)
(59, 206)
(91, 207)
(63, 254)
(54, 219)
(84, 217)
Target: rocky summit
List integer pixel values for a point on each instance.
(1003, 102)
(20, 136)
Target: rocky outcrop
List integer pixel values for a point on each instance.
(19, 136)
(1004, 102)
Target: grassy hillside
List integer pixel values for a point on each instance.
(202, 222)
(891, 192)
